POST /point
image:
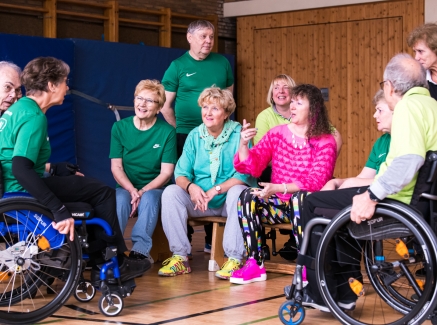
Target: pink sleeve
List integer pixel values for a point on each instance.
(322, 168)
(258, 159)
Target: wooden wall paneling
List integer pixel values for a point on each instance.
(344, 49)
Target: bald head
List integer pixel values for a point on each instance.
(404, 73)
(10, 84)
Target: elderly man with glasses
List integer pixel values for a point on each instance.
(10, 85)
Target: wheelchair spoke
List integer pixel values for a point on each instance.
(33, 258)
(379, 269)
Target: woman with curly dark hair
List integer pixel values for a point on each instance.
(302, 156)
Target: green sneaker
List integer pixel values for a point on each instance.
(174, 265)
(228, 267)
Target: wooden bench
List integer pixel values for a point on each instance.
(218, 255)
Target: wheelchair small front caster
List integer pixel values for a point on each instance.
(291, 313)
(84, 292)
(111, 305)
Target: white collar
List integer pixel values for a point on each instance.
(428, 77)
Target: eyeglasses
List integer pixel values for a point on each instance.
(147, 100)
(67, 81)
(8, 89)
(381, 84)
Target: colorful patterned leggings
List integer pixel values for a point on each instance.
(253, 211)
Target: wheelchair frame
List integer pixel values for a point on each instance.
(34, 255)
(391, 272)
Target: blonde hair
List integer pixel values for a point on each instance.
(288, 80)
(154, 86)
(223, 97)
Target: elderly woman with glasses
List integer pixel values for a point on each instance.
(143, 156)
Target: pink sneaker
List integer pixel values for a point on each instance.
(250, 272)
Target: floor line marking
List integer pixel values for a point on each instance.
(177, 318)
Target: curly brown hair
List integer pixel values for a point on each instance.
(318, 119)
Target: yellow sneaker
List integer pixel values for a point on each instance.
(175, 265)
(228, 267)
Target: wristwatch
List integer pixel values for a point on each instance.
(218, 188)
(373, 196)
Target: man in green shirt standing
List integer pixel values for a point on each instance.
(187, 77)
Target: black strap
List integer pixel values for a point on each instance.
(113, 108)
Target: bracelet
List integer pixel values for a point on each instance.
(285, 188)
(188, 186)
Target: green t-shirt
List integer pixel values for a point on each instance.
(379, 152)
(187, 78)
(413, 132)
(143, 152)
(194, 164)
(23, 132)
(267, 120)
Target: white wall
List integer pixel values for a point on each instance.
(430, 11)
(256, 7)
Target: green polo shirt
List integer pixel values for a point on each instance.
(187, 78)
(142, 152)
(23, 132)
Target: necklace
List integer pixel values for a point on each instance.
(297, 144)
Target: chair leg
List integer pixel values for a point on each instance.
(217, 253)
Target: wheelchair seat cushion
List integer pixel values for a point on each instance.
(80, 210)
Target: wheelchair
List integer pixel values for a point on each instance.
(389, 262)
(40, 268)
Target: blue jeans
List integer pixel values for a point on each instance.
(148, 212)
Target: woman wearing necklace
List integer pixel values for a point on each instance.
(302, 154)
(206, 184)
(143, 156)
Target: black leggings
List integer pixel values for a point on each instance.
(100, 196)
(337, 200)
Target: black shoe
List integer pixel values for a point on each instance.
(136, 256)
(347, 305)
(289, 251)
(131, 268)
(307, 301)
(95, 277)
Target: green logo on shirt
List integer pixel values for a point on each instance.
(3, 123)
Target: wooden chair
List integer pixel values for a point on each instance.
(218, 255)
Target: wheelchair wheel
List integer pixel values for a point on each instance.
(377, 261)
(39, 268)
(112, 308)
(84, 292)
(291, 314)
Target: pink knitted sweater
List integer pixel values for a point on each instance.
(309, 168)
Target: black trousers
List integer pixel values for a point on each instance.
(180, 141)
(100, 196)
(338, 274)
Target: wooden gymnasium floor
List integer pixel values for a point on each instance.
(196, 298)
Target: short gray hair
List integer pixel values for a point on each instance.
(199, 24)
(405, 73)
(4, 64)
